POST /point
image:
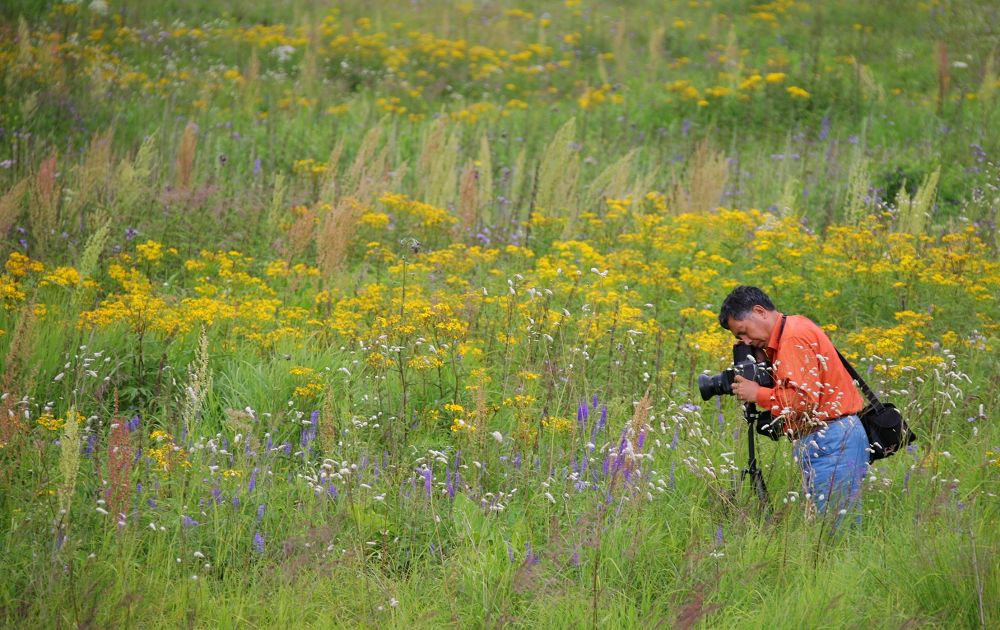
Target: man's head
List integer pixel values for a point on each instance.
(750, 315)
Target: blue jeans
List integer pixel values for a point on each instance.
(834, 461)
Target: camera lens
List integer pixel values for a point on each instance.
(714, 385)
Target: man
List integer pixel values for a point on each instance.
(813, 396)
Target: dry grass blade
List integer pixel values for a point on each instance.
(707, 177)
(44, 201)
(10, 205)
(336, 234)
(559, 171)
(186, 153)
(468, 206)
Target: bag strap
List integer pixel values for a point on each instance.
(869, 394)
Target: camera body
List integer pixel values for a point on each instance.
(746, 364)
(753, 367)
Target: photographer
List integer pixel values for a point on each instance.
(813, 396)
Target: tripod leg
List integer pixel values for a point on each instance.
(755, 475)
(760, 487)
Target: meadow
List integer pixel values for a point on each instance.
(352, 314)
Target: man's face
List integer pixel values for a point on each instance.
(753, 330)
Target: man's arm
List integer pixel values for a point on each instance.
(799, 380)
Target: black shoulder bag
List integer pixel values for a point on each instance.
(886, 429)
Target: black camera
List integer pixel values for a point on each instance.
(753, 367)
(745, 364)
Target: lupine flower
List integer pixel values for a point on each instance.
(258, 542)
(187, 521)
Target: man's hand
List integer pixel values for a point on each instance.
(744, 389)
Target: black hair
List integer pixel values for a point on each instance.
(739, 303)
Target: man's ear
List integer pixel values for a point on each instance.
(759, 310)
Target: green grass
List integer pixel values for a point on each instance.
(561, 271)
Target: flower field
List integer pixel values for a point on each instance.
(391, 315)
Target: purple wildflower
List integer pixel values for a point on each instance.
(258, 542)
(88, 448)
(253, 481)
(428, 475)
(308, 433)
(530, 558)
(260, 512)
(510, 552)
(187, 521)
(718, 536)
(824, 129)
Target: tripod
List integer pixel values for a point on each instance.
(750, 414)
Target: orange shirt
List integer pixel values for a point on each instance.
(811, 383)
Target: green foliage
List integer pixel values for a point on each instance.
(374, 288)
